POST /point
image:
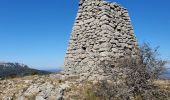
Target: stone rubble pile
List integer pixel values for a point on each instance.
(34, 88)
(102, 31)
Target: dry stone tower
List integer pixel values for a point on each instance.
(102, 31)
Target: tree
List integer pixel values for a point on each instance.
(132, 77)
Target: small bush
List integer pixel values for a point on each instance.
(132, 77)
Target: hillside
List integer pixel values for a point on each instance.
(17, 69)
(166, 74)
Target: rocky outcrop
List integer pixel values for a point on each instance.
(46, 87)
(102, 31)
(50, 87)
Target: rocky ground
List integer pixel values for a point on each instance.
(52, 87)
(49, 87)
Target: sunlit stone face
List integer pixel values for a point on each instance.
(102, 31)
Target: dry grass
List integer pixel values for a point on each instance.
(163, 84)
(83, 91)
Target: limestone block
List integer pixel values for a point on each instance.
(104, 54)
(114, 49)
(104, 17)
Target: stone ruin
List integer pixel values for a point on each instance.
(102, 31)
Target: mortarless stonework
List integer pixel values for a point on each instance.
(102, 31)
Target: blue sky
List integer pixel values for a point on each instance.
(36, 32)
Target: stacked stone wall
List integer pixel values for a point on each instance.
(102, 31)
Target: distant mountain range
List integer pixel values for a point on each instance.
(166, 74)
(16, 69)
(54, 70)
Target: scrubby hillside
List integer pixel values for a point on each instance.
(61, 87)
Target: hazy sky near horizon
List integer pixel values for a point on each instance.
(36, 32)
